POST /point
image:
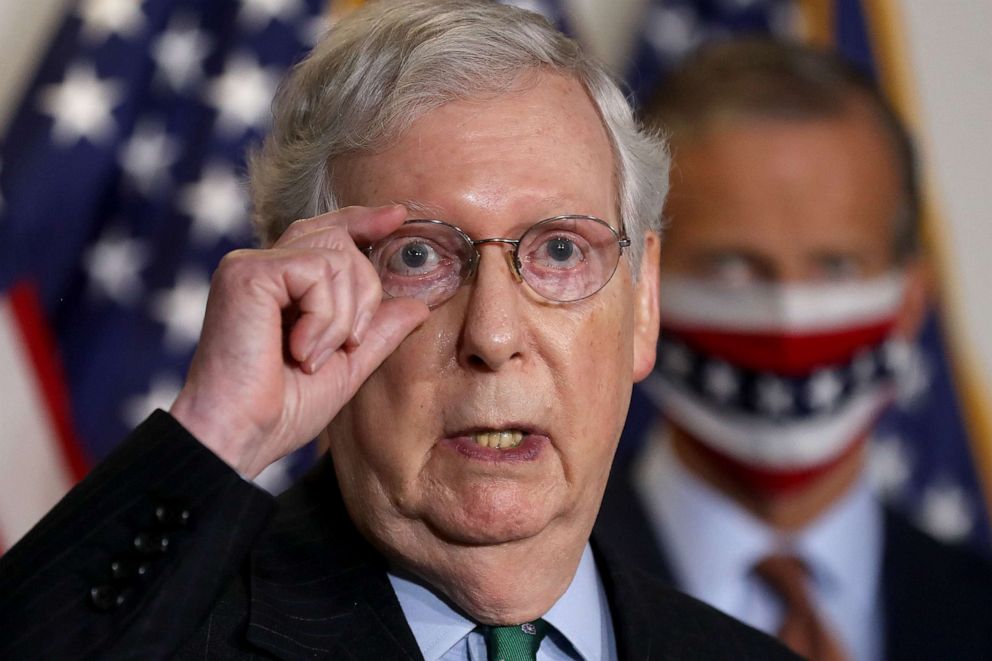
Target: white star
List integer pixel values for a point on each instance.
(162, 394)
(898, 356)
(945, 512)
(823, 389)
(536, 6)
(863, 367)
(242, 95)
(102, 18)
(148, 155)
(257, 14)
(889, 465)
(720, 380)
(672, 31)
(774, 397)
(275, 478)
(914, 380)
(217, 203)
(81, 105)
(113, 265)
(179, 53)
(676, 360)
(181, 310)
(314, 29)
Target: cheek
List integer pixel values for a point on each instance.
(596, 370)
(392, 419)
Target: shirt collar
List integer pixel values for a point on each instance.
(837, 564)
(436, 626)
(581, 615)
(694, 522)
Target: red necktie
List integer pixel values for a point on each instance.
(801, 629)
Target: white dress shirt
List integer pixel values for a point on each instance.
(713, 544)
(582, 629)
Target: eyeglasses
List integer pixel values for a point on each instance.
(563, 259)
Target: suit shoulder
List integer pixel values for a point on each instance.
(938, 596)
(912, 555)
(654, 621)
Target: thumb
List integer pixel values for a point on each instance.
(393, 321)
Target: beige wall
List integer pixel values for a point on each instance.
(25, 28)
(951, 64)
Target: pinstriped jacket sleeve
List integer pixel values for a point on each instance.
(127, 564)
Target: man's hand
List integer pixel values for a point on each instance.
(289, 335)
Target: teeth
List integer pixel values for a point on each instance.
(499, 439)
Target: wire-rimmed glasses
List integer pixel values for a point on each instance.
(563, 259)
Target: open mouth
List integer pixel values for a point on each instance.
(498, 439)
(515, 442)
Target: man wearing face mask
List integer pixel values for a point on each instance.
(791, 284)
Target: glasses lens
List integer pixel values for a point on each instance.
(570, 258)
(422, 259)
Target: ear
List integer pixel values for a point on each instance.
(916, 299)
(646, 308)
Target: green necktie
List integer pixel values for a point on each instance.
(516, 643)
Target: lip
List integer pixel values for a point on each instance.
(529, 449)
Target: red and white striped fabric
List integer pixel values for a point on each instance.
(779, 380)
(786, 329)
(40, 457)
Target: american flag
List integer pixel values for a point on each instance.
(122, 185)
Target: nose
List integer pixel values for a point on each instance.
(493, 329)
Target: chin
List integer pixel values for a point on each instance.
(488, 517)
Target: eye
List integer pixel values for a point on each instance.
(732, 269)
(836, 267)
(413, 256)
(558, 251)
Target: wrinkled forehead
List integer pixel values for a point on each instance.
(541, 144)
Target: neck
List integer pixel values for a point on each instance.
(784, 510)
(498, 585)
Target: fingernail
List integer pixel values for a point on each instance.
(314, 365)
(312, 346)
(362, 326)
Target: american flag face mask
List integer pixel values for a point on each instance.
(779, 382)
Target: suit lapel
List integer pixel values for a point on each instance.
(631, 630)
(623, 522)
(318, 589)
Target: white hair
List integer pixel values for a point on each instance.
(390, 62)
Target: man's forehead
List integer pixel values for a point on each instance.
(546, 206)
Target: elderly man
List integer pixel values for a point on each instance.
(463, 330)
(791, 280)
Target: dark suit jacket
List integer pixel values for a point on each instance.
(937, 598)
(164, 550)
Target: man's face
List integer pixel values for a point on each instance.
(775, 201)
(496, 357)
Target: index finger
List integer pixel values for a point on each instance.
(363, 224)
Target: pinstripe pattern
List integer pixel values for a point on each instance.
(45, 580)
(236, 584)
